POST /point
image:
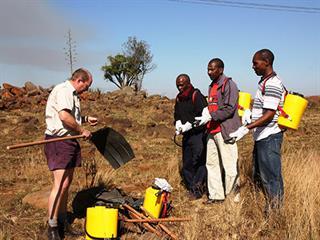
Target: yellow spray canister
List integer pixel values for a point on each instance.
(243, 102)
(101, 223)
(294, 107)
(153, 201)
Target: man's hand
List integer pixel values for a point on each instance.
(246, 117)
(178, 127)
(92, 121)
(87, 134)
(204, 118)
(186, 127)
(240, 133)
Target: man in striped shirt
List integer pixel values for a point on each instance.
(266, 132)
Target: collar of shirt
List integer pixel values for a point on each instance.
(71, 87)
(267, 77)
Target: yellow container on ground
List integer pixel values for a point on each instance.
(101, 222)
(294, 106)
(153, 201)
(243, 102)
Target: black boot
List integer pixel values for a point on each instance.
(65, 229)
(53, 233)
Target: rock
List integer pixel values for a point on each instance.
(38, 199)
(29, 86)
(17, 91)
(7, 95)
(2, 106)
(7, 86)
(127, 90)
(159, 131)
(33, 92)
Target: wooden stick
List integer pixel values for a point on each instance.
(156, 220)
(21, 145)
(164, 228)
(138, 215)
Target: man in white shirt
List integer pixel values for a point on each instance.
(63, 119)
(266, 132)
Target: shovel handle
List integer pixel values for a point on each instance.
(21, 145)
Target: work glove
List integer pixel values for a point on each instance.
(240, 133)
(163, 184)
(204, 118)
(178, 127)
(186, 127)
(246, 117)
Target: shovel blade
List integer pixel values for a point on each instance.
(113, 146)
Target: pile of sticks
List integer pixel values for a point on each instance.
(151, 224)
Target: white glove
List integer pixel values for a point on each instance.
(178, 127)
(240, 133)
(163, 184)
(246, 117)
(204, 118)
(186, 127)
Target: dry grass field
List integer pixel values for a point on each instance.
(146, 122)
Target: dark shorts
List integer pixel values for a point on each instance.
(62, 154)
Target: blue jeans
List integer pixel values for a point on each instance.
(267, 167)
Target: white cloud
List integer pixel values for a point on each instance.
(33, 33)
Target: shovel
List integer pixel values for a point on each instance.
(111, 144)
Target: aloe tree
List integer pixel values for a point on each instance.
(130, 67)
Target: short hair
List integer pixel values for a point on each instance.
(218, 61)
(266, 54)
(185, 76)
(83, 73)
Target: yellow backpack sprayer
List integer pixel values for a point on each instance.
(294, 106)
(243, 102)
(156, 198)
(101, 223)
(291, 113)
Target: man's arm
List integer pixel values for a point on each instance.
(263, 120)
(69, 121)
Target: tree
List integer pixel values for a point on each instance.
(70, 51)
(130, 67)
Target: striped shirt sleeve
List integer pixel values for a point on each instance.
(273, 93)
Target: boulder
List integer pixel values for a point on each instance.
(29, 86)
(38, 199)
(7, 86)
(17, 91)
(6, 95)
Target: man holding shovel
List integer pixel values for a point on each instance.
(63, 119)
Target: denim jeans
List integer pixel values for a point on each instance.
(267, 167)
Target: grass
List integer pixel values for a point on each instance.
(24, 171)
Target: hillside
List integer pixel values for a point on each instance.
(147, 123)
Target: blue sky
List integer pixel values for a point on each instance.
(183, 37)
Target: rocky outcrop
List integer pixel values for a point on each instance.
(13, 97)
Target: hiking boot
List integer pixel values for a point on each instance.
(53, 233)
(65, 229)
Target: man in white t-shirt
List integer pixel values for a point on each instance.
(63, 118)
(266, 132)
